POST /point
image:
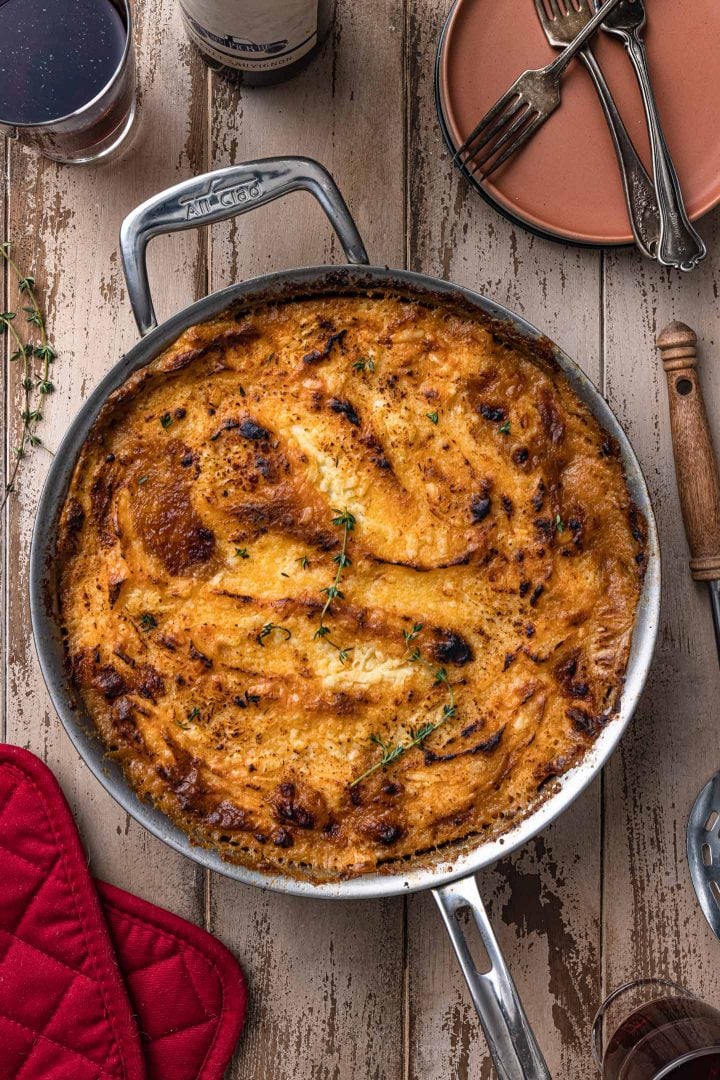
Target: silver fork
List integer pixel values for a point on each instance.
(679, 244)
(517, 115)
(561, 26)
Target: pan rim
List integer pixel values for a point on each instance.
(286, 285)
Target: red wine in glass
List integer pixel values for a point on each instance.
(675, 1036)
(66, 74)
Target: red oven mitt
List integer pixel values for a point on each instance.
(96, 984)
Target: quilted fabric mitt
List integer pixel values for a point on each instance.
(65, 1013)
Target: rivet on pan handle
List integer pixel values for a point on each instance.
(224, 194)
(512, 1044)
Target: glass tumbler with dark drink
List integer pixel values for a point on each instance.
(67, 76)
(651, 1029)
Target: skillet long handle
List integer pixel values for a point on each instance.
(696, 466)
(512, 1044)
(223, 194)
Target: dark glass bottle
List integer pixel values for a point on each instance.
(257, 42)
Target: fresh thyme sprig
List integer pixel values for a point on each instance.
(268, 629)
(345, 520)
(418, 735)
(31, 412)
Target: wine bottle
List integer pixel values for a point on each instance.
(257, 41)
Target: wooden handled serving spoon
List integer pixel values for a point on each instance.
(699, 489)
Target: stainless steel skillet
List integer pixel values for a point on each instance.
(214, 197)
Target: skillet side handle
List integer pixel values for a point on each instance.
(512, 1044)
(223, 194)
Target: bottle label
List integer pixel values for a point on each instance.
(253, 35)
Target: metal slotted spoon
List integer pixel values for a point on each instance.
(699, 489)
(703, 850)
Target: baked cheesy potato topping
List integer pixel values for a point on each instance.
(346, 580)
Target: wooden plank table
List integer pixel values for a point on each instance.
(341, 991)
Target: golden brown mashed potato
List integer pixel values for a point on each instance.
(485, 612)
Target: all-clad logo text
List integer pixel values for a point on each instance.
(199, 206)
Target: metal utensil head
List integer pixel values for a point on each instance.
(703, 851)
(628, 16)
(563, 24)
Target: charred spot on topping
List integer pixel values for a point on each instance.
(227, 425)
(638, 525)
(101, 498)
(451, 648)
(524, 587)
(123, 714)
(551, 417)
(539, 497)
(317, 355)
(115, 584)
(282, 838)
(287, 806)
(89, 672)
(180, 414)
(124, 657)
(167, 641)
(250, 429)
(537, 593)
(543, 529)
(549, 770)
(332, 830)
(346, 409)
(479, 508)
(392, 788)
(195, 654)
(583, 721)
(529, 630)
(149, 682)
(566, 669)
(485, 747)
(610, 447)
(381, 828)
(188, 459)
(507, 504)
(520, 455)
(492, 412)
(260, 837)
(229, 818)
(509, 658)
(73, 519)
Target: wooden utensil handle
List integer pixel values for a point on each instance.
(695, 462)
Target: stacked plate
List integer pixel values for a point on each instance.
(564, 184)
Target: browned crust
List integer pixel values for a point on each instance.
(505, 528)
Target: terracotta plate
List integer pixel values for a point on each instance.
(565, 182)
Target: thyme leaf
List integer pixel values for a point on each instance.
(390, 752)
(32, 379)
(268, 629)
(344, 520)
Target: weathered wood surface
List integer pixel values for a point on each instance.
(343, 990)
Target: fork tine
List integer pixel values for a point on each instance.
(506, 137)
(555, 11)
(497, 109)
(522, 138)
(487, 134)
(542, 12)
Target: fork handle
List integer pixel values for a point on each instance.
(639, 191)
(679, 245)
(696, 466)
